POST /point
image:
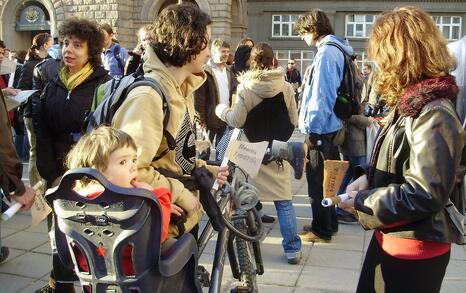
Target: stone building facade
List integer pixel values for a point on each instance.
(22, 19)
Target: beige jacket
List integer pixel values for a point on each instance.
(141, 115)
(273, 183)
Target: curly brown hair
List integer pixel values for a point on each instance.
(88, 31)
(262, 56)
(408, 47)
(180, 33)
(316, 22)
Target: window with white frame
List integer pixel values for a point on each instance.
(359, 25)
(450, 26)
(283, 25)
(303, 59)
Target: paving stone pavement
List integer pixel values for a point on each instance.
(29, 263)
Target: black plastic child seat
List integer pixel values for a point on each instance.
(113, 240)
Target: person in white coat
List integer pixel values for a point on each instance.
(260, 83)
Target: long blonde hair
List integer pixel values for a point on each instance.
(408, 47)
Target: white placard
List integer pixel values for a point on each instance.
(13, 102)
(248, 156)
(7, 66)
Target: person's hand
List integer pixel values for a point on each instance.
(56, 181)
(352, 190)
(9, 91)
(26, 199)
(143, 185)
(222, 175)
(138, 50)
(176, 210)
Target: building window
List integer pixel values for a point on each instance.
(359, 25)
(450, 26)
(283, 25)
(303, 59)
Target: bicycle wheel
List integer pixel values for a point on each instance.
(246, 261)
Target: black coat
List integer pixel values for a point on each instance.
(25, 80)
(60, 119)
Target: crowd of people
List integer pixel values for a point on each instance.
(406, 188)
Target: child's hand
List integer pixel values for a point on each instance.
(143, 185)
(176, 210)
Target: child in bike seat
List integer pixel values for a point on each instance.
(113, 153)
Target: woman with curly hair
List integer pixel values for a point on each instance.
(409, 193)
(62, 108)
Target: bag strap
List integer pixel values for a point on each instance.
(116, 54)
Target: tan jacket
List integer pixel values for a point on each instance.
(273, 183)
(10, 165)
(141, 115)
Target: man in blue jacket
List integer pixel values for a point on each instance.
(317, 119)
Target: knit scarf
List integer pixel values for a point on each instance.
(71, 82)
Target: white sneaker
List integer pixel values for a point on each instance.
(293, 257)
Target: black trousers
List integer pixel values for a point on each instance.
(324, 220)
(384, 273)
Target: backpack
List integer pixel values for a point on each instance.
(111, 95)
(349, 93)
(269, 120)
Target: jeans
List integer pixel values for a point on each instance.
(353, 162)
(288, 227)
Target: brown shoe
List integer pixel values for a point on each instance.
(308, 228)
(308, 236)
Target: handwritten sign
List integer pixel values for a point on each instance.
(39, 210)
(334, 172)
(246, 155)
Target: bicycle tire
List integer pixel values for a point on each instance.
(246, 259)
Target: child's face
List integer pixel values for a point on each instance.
(122, 167)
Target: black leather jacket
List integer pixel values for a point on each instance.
(413, 170)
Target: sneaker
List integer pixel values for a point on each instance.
(309, 236)
(293, 258)
(297, 153)
(267, 219)
(4, 253)
(347, 219)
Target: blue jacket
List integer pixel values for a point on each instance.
(319, 95)
(114, 59)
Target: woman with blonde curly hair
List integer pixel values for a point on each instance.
(407, 191)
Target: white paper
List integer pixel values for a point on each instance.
(13, 102)
(7, 66)
(248, 156)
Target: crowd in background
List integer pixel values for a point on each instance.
(400, 179)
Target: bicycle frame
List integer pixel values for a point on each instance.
(224, 244)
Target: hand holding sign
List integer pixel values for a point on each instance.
(334, 172)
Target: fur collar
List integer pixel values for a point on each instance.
(420, 94)
(264, 83)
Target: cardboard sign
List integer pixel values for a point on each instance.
(334, 172)
(39, 210)
(246, 155)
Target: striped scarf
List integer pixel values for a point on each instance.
(71, 82)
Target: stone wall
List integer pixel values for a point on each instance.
(126, 16)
